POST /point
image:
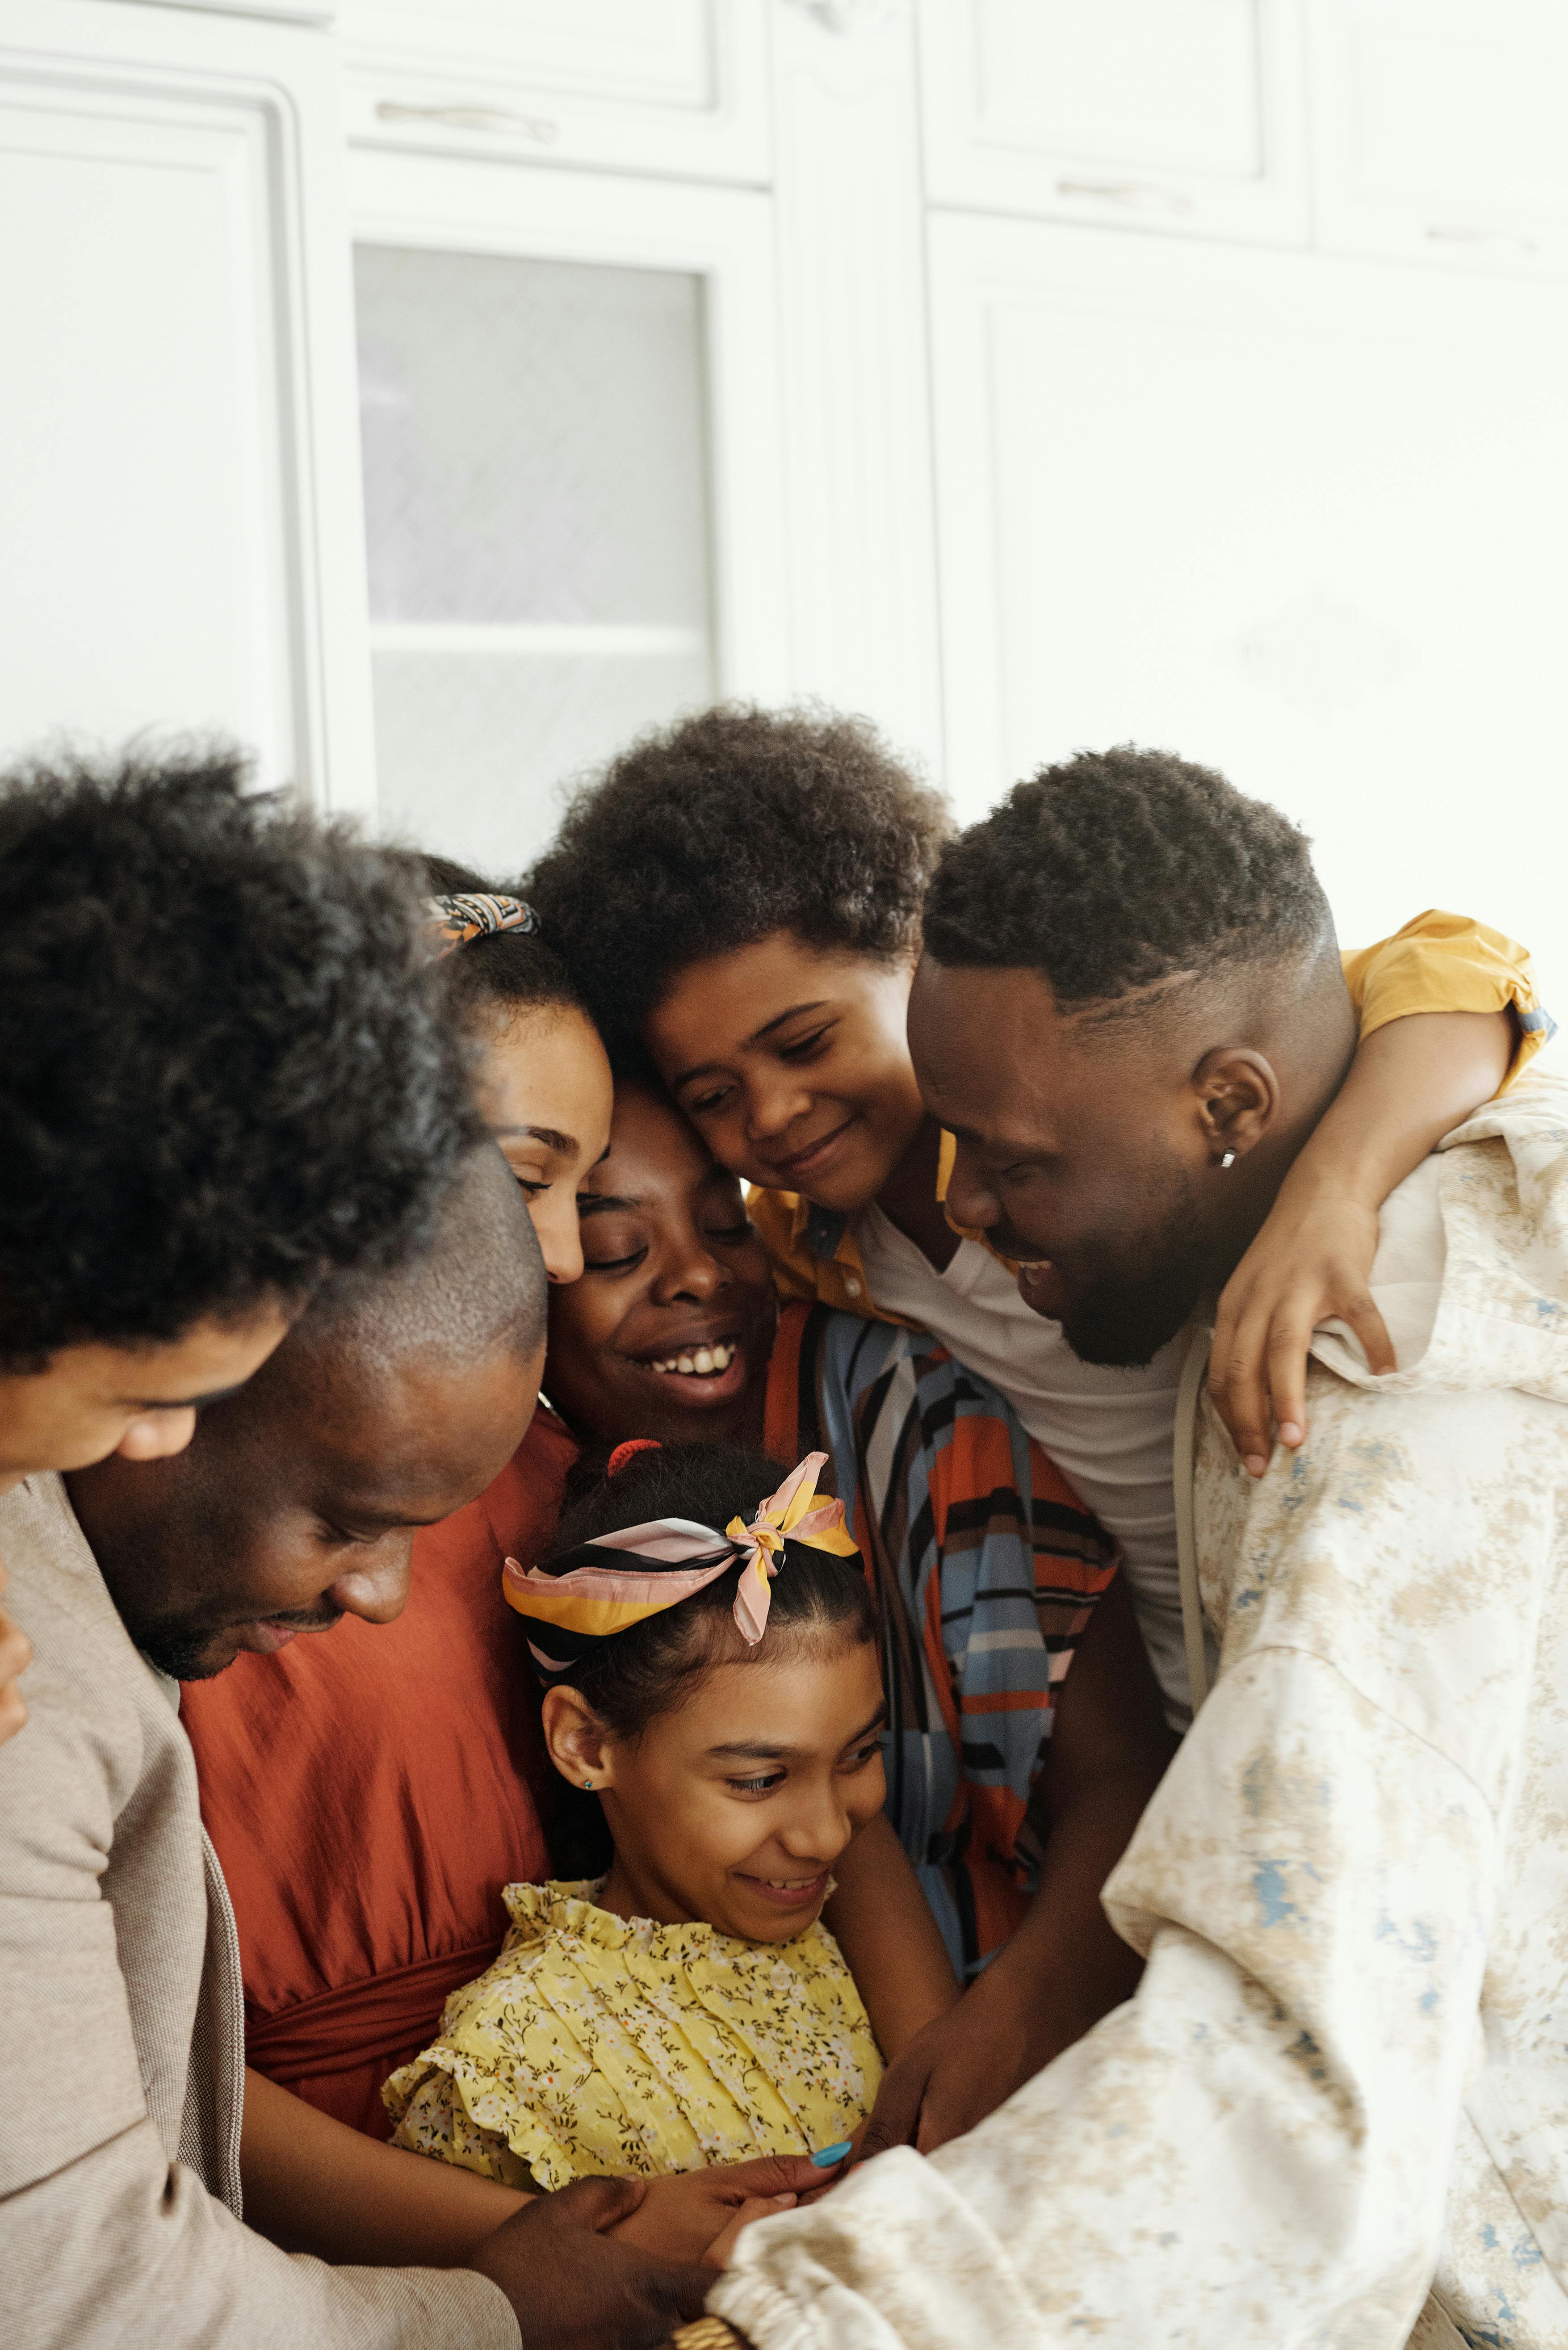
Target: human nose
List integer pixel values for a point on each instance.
(819, 1825)
(378, 1593)
(971, 1200)
(559, 1235)
(690, 1270)
(773, 1103)
(157, 1434)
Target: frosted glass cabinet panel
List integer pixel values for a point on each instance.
(536, 526)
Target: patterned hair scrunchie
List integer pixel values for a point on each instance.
(456, 922)
(606, 1585)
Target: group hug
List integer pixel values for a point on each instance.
(804, 1584)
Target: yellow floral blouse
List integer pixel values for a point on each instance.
(604, 2044)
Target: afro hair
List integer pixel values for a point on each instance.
(224, 1067)
(736, 824)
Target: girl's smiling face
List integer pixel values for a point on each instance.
(733, 1806)
(673, 1275)
(792, 1064)
(545, 1092)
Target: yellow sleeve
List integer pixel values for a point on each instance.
(1445, 962)
(792, 1263)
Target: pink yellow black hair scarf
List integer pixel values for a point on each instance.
(606, 1585)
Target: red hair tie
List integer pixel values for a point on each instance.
(624, 1452)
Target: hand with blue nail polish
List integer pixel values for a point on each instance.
(827, 2155)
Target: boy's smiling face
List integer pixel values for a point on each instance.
(792, 1064)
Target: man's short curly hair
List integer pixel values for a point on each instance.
(733, 824)
(224, 1068)
(1122, 868)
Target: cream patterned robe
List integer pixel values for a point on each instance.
(1345, 2076)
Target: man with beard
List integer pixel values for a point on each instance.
(1335, 2109)
(395, 1400)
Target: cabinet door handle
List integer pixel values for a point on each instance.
(1447, 235)
(1128, 191)
(471, 118)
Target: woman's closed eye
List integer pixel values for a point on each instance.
(761, 1785)
(614, 1263)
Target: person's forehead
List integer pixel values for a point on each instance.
(384, 1427)
(993, 1052)
(811, 1694)
(654, 1160)
(733, 1000)
(546, 1071)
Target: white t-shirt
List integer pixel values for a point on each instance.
(1110, 1430)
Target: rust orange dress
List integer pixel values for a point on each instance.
(370, 1790)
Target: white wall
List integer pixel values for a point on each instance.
(1186, 370)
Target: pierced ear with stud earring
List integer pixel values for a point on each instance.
(588, 1783)
(1228, 1159)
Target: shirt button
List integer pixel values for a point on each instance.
(853, 1286)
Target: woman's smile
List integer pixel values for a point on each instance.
(709, 1366)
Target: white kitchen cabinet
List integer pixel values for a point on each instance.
(676, 86)
(178, 484)
(1441, 131)
(854, 346)
(1181, 117)
(569, 388)
(1304, 519)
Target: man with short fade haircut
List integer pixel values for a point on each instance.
(395, 1400)
(1335, 2111)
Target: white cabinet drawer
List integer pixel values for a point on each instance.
(678, 85)
(1441, 131)
(1181, 116)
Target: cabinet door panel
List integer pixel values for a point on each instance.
(644, 84)
(169, 390)
(1181, 115)
(1440, 130)
(1306, 521)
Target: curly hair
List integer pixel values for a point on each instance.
(1120, 868)
(224, 1067)
(733, 824)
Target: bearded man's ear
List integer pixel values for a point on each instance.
(1238, 1098)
